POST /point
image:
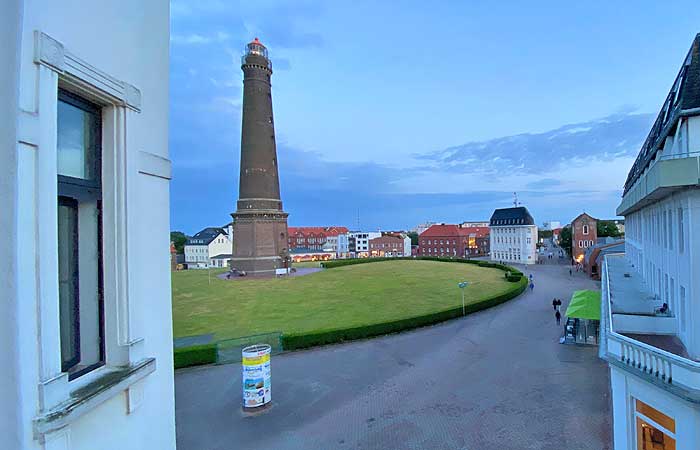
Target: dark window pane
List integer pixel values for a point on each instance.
(68, 282)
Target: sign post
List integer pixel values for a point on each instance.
(462, 286)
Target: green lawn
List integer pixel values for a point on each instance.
(334, 298)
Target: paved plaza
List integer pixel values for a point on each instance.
(497, 379)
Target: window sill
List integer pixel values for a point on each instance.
(84, 399)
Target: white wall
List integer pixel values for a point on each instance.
(652, 255)
(627, 387)
(129, 41)
(220, 245)
(10, 32)
(508, 240)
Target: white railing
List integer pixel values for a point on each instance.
(665, 366)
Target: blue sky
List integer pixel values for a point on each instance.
(410, 111)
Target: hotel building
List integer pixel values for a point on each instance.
(650, 312)
(513, 236)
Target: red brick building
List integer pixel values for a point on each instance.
(387, 245)
(584, 234)
(312, 238)
(453, 240)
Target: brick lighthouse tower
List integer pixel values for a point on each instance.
(259, 224)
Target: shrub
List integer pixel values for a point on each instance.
(322, 337)
(195, 355)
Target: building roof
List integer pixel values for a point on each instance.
(386, 237)
(205, 236)
(584, 215)
(511, 216)
(439, 230)
(602, 244)
(451, 230)
(683, 99)
(222, 256)
(326, 231)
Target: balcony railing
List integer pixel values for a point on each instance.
(670, 369)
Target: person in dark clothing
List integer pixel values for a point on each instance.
(570, 273)
(558, 317)
(532, 286)
(558, 304)
(554, 303)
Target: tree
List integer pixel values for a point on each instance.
(544, 234)
(565, 239)
(178, 238)
(607, 228)
(414, 237)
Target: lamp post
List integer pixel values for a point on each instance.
(463, 285)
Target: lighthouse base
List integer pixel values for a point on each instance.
(259, 241)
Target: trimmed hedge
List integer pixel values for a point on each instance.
(322, 337)
(195, 355)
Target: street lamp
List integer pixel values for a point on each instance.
(463, 285)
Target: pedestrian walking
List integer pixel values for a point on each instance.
(532, 286)
(558, 317)
(554, 303)
(558, 304)
(570, 273)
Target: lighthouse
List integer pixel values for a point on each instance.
(259, 223)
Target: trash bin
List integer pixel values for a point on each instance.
(255, 364)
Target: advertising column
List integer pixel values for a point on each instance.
(257, 386)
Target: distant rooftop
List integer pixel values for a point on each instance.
(511, 216)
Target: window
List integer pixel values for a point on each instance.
(683, 309)
(665, 229)
(654, 429)
(79, 235)
(669, 217)
(580, 244)
(585, 229)
(681, 242)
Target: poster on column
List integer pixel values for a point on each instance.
(257, 386)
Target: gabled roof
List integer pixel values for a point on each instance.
(683, 99)
(443, 230)
(205, 236)
(584, 215)
(511, 216)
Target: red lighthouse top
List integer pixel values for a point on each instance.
(256, 41)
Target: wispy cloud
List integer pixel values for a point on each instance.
(197, 39)
(604, 139)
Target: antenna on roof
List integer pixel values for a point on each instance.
(516, 203)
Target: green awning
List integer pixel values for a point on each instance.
(584, 305)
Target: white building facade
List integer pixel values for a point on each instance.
(359, 242)
(650, 321)
(513, 236)
(206, 249)
(85, 316)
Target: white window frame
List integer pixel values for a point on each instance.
(57, 67)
